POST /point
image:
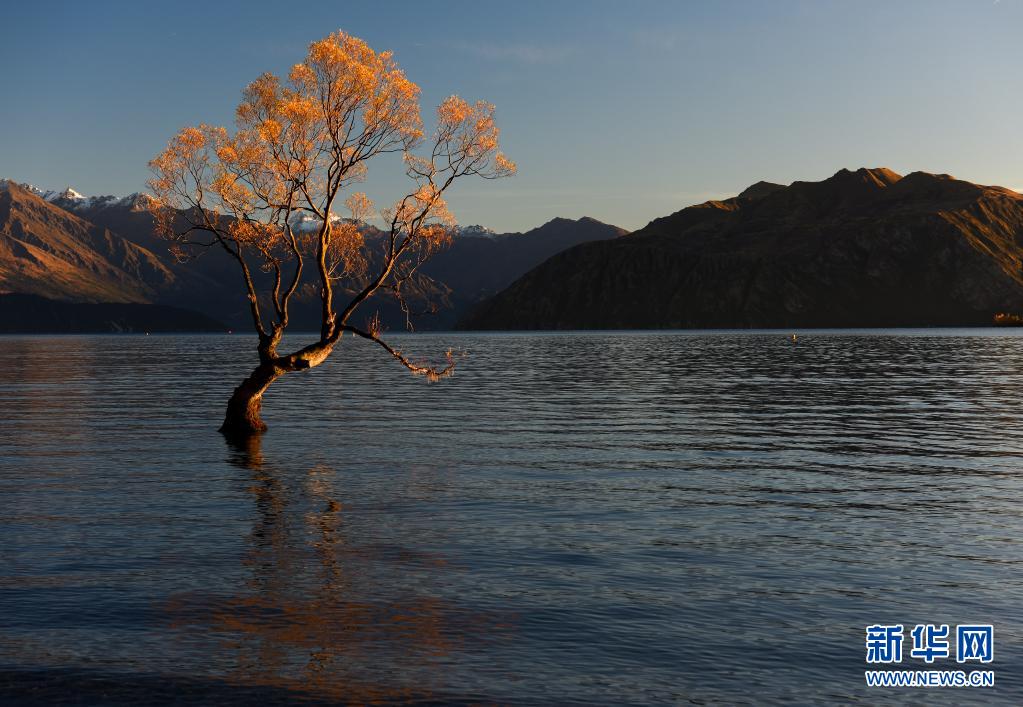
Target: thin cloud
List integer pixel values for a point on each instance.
(521, 53)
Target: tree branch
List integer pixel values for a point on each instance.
(431, 372)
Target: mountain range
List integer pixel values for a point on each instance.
(67, 247)
(864, 248)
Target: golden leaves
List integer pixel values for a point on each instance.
(452, 110)
(269, 130)
(419, 166)
(428, 198)
(423, 207)
(503, 166)
(437, 235)
(181, 173)
(235, 195)
(227, 153)
(302, 75)
(184, 149)
(467, 139)
(190, 139)
(360, 206)
(260, 235)
(345, 256)
(354, 81)
(300, 144)
(298, 110)
(258, 100)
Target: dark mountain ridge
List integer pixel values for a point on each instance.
(862, 248)
(31, 314)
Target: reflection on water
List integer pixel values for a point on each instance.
(306, 620)
(593, 518)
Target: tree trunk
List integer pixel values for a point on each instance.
(242, 418)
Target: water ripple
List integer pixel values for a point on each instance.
(614, 518)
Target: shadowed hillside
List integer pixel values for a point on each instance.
(863, 248)
(29, 314)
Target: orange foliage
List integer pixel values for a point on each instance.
(299, 145)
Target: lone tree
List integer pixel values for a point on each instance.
(299, 146)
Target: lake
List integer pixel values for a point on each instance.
(595, 518)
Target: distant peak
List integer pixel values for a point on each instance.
(878, 176)
(474, 230)
(561, 220)
(941, 186)
(931, 176)
(69, 193)
(72, 200)
(18, 188)
(760, 190)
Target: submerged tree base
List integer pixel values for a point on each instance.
(242, 418)
(240, 429)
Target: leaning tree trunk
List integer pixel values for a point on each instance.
(242, 418)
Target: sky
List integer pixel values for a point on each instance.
(622, 111)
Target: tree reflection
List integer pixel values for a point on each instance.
(323, 613)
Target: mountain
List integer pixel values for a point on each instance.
(48, 251)
(862, 248)
(103, 249)
(71, 200)
(480, 264)
(209, 284)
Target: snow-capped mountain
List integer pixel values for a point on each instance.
(53, 195)
(74, 201)
(304, 222)
(475, 230)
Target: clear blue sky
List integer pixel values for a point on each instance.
(623, 111)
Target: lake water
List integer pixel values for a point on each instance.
(604, 518)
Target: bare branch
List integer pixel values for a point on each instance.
(431, 372)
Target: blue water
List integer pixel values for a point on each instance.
(604, 518)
